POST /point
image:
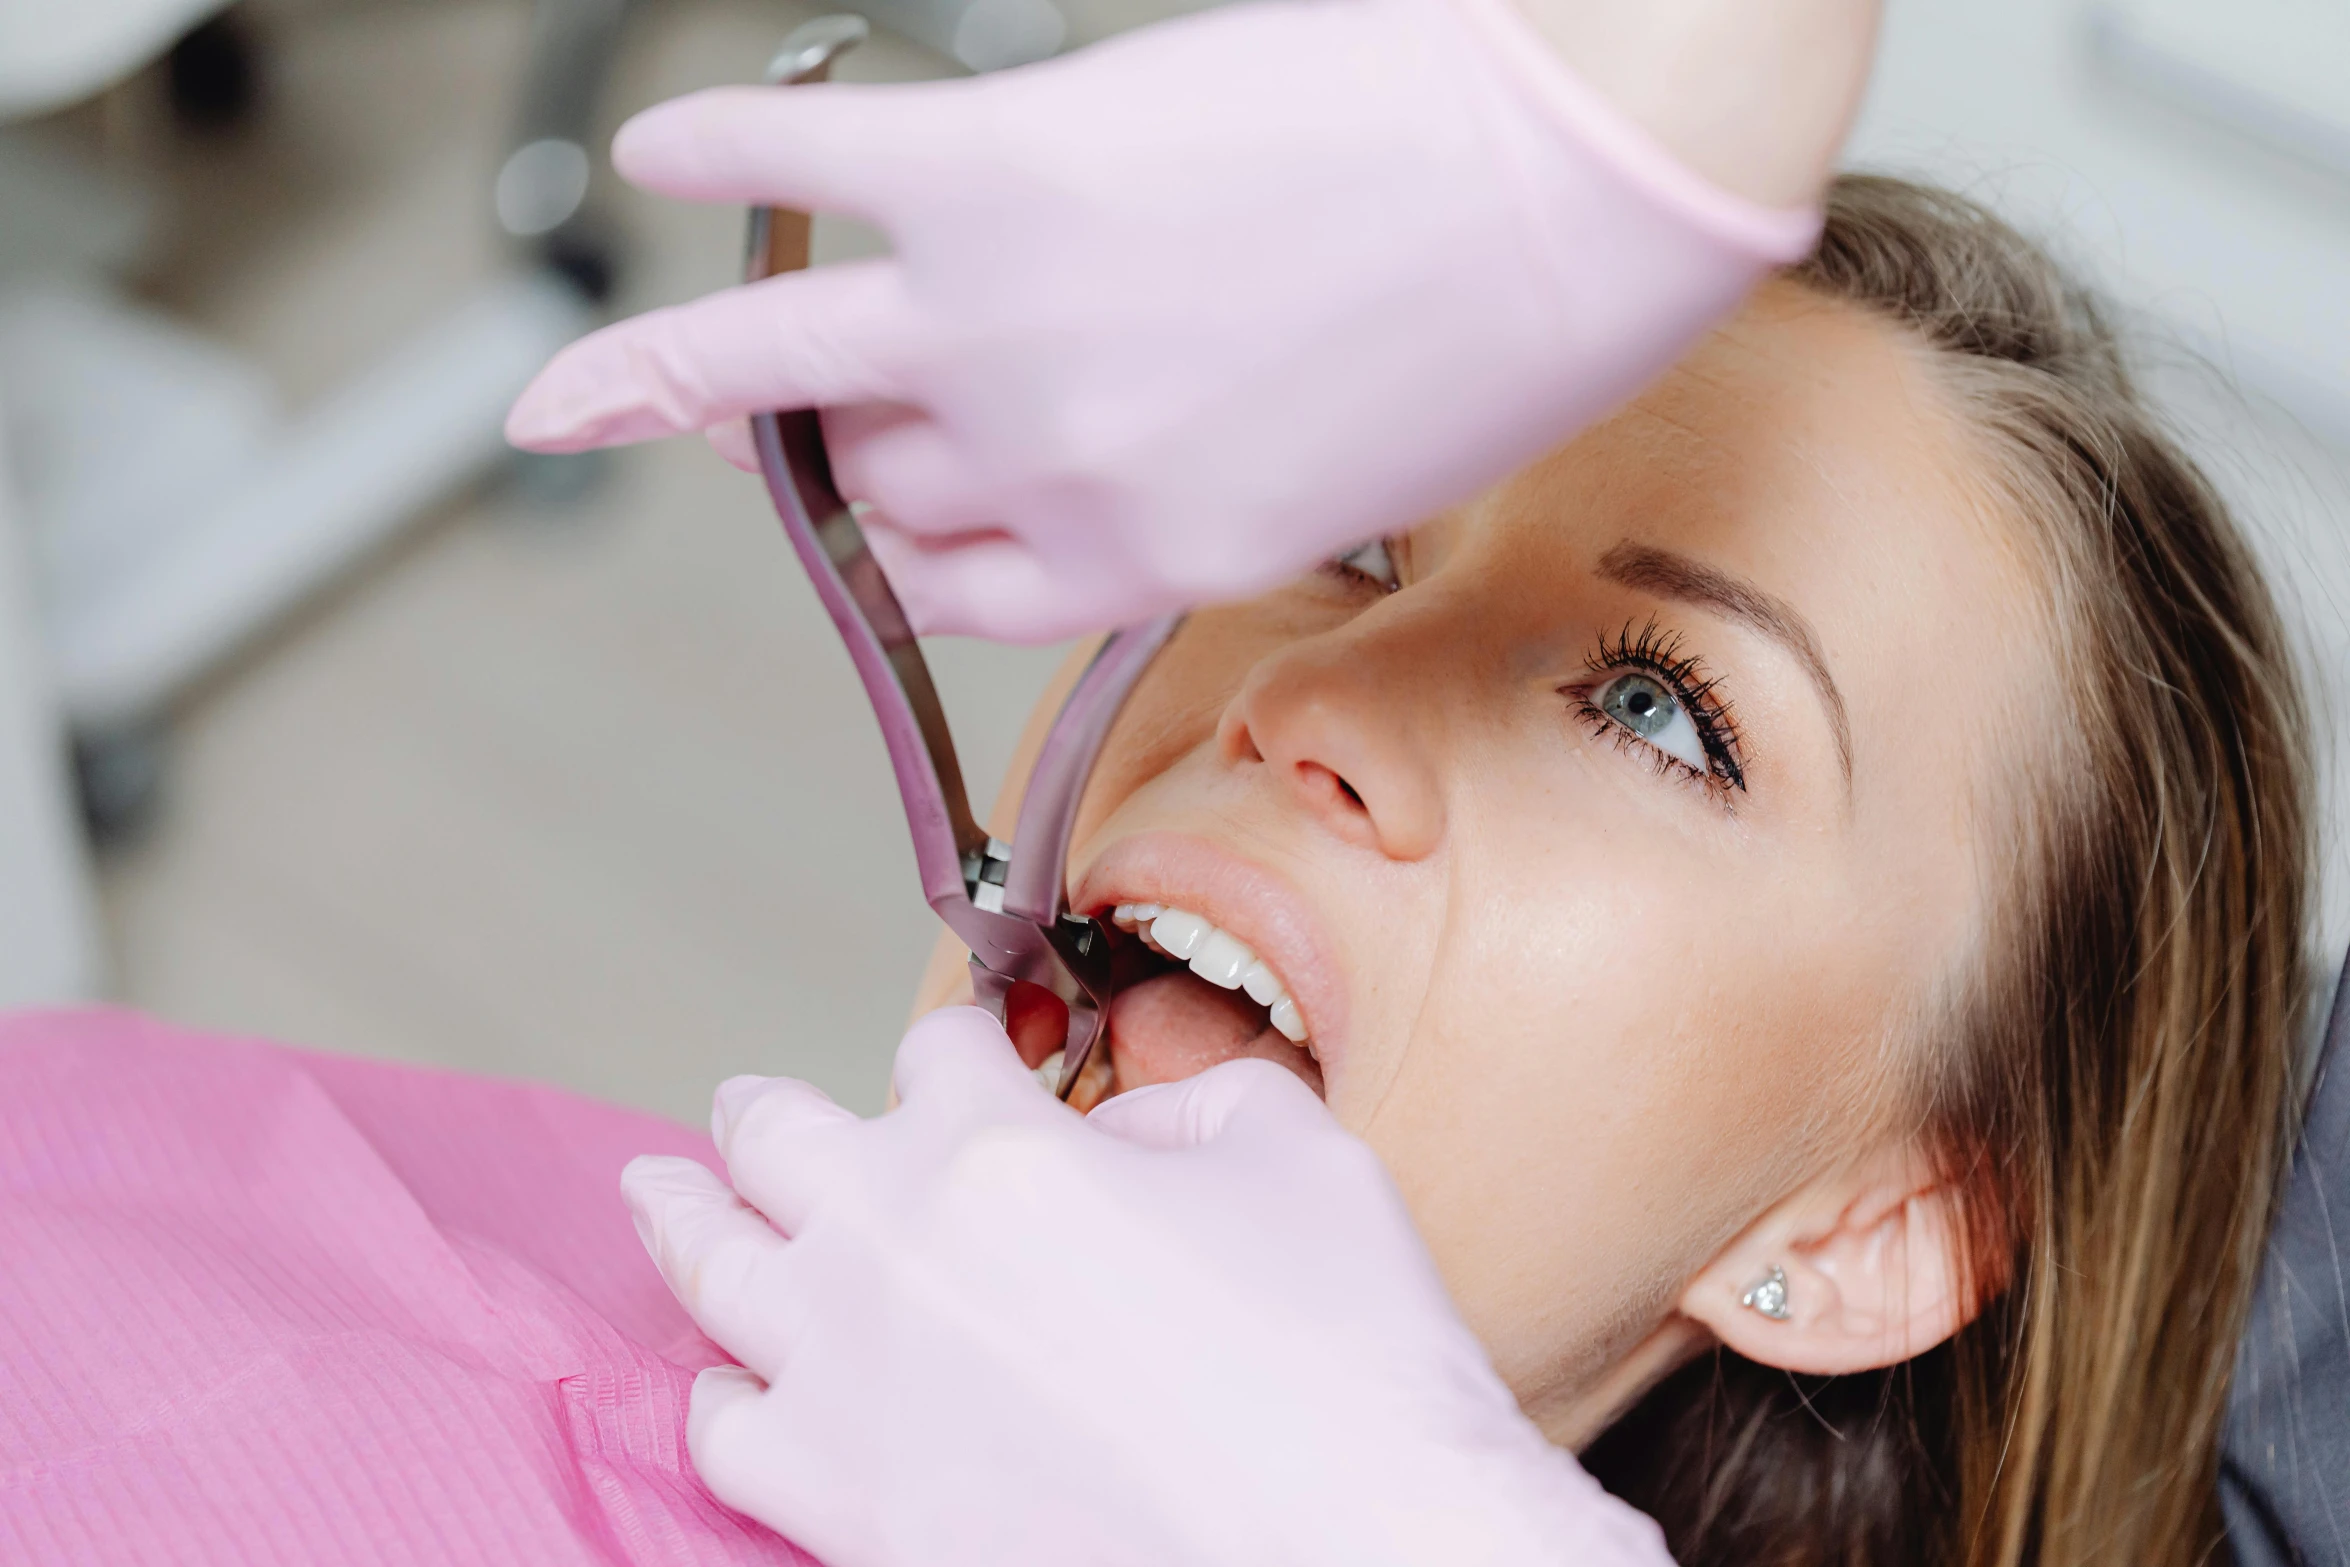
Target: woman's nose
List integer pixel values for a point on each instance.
(1338, 735)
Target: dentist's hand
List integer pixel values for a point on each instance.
(1171, 318)
(1194, 1328)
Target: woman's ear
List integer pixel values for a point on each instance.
(1855, 1271)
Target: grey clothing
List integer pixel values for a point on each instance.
(2285, 1473)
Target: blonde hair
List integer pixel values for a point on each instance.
(2115, 1092)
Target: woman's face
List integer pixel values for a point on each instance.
(1605, 831)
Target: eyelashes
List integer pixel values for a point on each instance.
(1368, 565)
(1658, 654)
(1644, 692)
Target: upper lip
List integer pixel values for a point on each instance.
(1243, 897)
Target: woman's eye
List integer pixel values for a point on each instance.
(1650, 711)
(1369, 561)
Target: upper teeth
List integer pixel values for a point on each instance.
(1215, 955)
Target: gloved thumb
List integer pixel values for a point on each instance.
(1244, 1098)
(958, 1062)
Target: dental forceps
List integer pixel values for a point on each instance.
(1005, 901)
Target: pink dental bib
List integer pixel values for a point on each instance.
(259, 1306)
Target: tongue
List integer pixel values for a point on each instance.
(1175, 1025)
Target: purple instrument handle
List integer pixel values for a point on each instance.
(1037, 884)
(1006, 902)
(881, 645)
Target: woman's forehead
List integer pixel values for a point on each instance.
(1800, 415)
(1809, 448)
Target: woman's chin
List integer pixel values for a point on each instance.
(1176, 1025)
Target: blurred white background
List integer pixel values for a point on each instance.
(571, 781)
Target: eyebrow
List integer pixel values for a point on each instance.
(1648, 569)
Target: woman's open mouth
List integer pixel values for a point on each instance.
(1202, 998)
(1217, 959)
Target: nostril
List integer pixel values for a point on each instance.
(1237, 742)
(1321, 782)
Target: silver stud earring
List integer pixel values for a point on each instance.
(1770, 1296)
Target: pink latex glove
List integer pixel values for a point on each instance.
(1176, 316)
(1194, 1328)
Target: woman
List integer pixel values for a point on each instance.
(1870, 770)
(1860, 787)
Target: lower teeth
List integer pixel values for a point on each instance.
(1093, 1084)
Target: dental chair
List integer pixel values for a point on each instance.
(2285, 1474)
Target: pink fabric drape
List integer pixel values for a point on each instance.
(261, 1306)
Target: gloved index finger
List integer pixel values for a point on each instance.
(726, 1266)
(787, 1146)
(823, 147)
(838, 334)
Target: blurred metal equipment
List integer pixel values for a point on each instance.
(52, 55)
(48, 927)
(164, 507)
(161, 556)
(541, 191)
(985, 35)
(139, 618)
